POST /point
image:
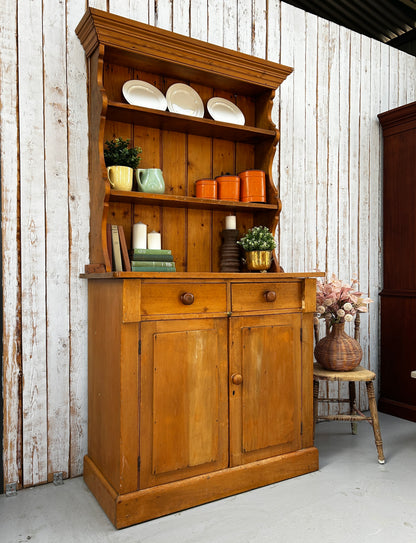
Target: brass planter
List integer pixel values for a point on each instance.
(258, 260)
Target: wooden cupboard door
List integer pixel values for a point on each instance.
(184, 404)
(265, 387)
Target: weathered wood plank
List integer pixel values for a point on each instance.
(78, 207)
(57, 238)
(9, 170)
(332, 259)
(32, 170)
(244, 26)
(375, 181)
(180, 17)
(163, 14)
(364, 196)
(344, 135)
(321, 202)
(354, 143)
(393, 77)
(215, 22)
(130, 9)
(273, 54)
(298, 192)
(402, 78)
(98, 4)
(259, 25)
(286, 139)
(333, 219)
(199, 20)
(230, 24)
(411, 79)
(311, 51)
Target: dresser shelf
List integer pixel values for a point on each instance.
(165, 120)
(186, 202)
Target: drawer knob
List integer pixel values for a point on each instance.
(187, 298)
(236, 378)
(270, 295)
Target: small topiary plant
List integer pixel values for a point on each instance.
(258, 238)
(118, 153)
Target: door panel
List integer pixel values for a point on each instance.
(184, 380)
(265, 408)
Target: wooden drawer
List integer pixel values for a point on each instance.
(266, 296)
(186, 298)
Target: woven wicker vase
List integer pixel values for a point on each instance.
(338, 351)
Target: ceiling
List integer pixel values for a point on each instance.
(390, 21)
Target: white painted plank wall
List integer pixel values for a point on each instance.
(327, 168)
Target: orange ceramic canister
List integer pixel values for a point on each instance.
(228, 187)
(252, 186)
(206, 188)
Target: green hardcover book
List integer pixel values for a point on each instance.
(150, 252)
(152, 269)
(151, 263)
(158, 258)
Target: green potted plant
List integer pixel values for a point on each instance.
(258, 244)
(121, 161)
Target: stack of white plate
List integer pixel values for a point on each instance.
(181, 99)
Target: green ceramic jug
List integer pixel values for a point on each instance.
(150, 180)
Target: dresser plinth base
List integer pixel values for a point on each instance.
(135, 507)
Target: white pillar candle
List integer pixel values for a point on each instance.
(139, 236)
(153, 240)
(230, 222)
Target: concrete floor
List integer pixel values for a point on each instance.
(351, 498)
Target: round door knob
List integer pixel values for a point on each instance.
(270, 295)
(236, 378)
(187, 298)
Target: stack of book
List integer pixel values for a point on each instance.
(145, 260)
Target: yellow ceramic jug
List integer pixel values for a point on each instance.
(120, 177)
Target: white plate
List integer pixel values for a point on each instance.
(225, 111)
(143, 94)
(184, 100)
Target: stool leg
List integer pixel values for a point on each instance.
(315, 404)
(376, 425)
(351, 387)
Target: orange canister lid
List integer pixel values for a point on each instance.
(209, 182)
(227, 178)
(252, 173)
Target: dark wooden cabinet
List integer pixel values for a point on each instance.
(398, 297)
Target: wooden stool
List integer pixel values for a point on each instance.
(359, 374)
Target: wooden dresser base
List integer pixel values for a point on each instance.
(135, 507)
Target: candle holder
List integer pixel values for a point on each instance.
(230, 252)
